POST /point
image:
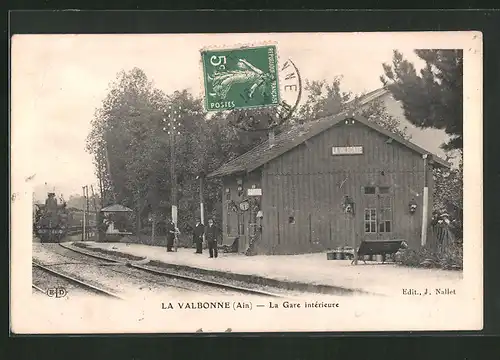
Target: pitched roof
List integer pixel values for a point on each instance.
(287, 140)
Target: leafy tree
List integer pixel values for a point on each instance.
(121, 138)
(376, 112)
(326, 99)
(132, 151)
(433, 98)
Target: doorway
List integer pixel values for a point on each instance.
(241, 233)
(378, 221)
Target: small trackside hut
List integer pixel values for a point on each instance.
(289, 195)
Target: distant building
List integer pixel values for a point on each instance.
(298, 182)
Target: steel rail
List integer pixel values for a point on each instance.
(76, 281)
(114, 262)
(87, 253)
(182, 277)
(38, 289)
(206, 282)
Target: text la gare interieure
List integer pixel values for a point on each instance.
(208, 305)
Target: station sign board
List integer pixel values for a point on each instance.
(254, 192)
(347, 150)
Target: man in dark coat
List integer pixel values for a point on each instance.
(170, 235)
(211, 235)
(198, 232)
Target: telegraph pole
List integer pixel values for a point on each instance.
(88, 208)
(84, 220)
(202, 209)
(171, 122)
(96, 213)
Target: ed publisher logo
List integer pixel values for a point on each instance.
(57, 292)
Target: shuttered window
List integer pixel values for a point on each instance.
(384, 189)
(369, 190)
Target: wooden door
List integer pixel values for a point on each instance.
(242, 227)
(370, 213)
(384, 219)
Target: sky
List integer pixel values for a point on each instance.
(58, 81)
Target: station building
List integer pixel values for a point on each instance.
(317, 186)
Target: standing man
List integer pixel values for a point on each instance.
(170, 235)
(211, 234)
(198, 232)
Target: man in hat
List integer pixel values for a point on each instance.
(198, 231)
(170, 235)
(211, 235)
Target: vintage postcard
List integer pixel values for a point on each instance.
(260, 182)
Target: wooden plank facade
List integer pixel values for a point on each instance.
(237, 223)
(303, 191)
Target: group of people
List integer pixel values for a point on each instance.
(211, 233)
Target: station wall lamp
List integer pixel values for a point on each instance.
(239, 182)
(348, 205)
(412, 206)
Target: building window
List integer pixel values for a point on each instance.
(385, 224)
(383, 190)
(370, 220)
(369, 190)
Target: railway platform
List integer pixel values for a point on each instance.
(297, 272)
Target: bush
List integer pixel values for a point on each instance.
(447, 258)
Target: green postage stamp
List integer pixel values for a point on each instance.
(240, 78)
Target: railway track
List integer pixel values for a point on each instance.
(212, 284)
(70, 280)
(205, 282)
(38, 289)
